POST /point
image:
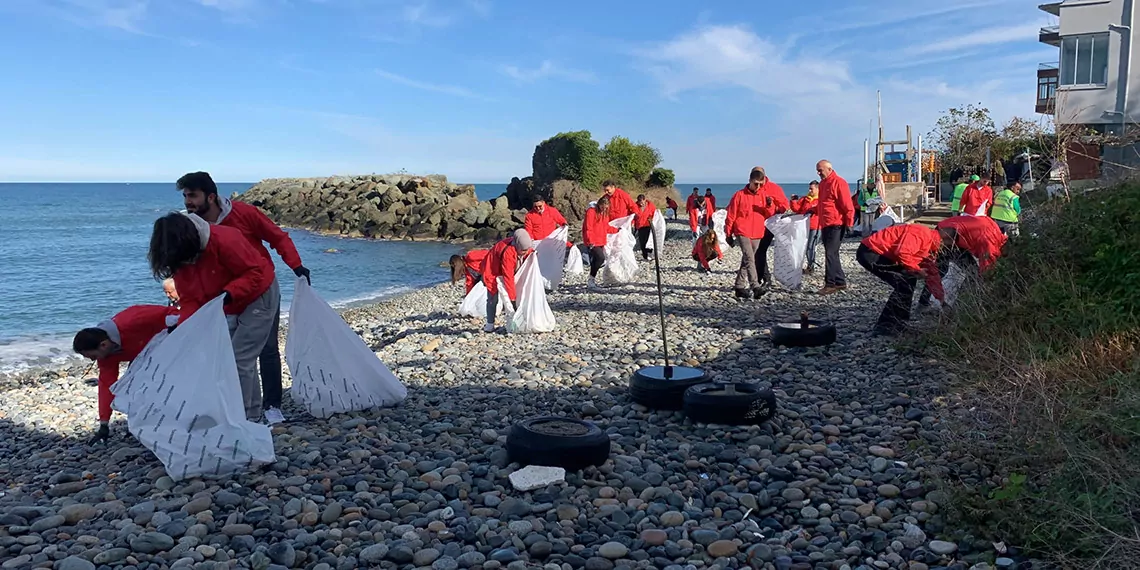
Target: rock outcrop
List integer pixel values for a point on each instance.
(391, 206)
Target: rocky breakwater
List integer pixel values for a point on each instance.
(394, 206)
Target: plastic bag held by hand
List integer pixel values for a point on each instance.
(333, 370)
(533, 314)
(789, 246)
(574, 263)
(475, 303)
(550, 252)
(183, 401)
(621, 261)
(719, 219)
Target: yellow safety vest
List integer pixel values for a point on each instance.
(1003, 207)
(958, 190)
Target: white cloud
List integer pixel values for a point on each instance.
(548, 69)
(426, 86)
(987, 37)
(125, 15)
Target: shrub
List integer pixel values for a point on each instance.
(629, 162)
(569, 156)
(662, 177)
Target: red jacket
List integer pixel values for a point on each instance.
(257, 228)
(227, 263)
(644, 215)
(978, 235)
(748, 211)
(710, 202)
(779, 198)
(596, 229)
(131, 329)
(501, 261)
(474, 262)
(808, 205)
(691, 209)
(701, 255)
(540, 226)
(974, 198)
(621, 204)
(671, 204)
(834, 206)
(912, 246)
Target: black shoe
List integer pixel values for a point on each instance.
(759, 292)
(743, 294)
(885, 330)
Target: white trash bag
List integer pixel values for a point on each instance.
(550, 252)
(475, 303)
(789, 246)
(951, 283)
(333, 370)
(574, 263)
(884, 221)
(183, 401)
(504, 306)
(659, 233)
(621, 261)
(719, 219)
(533, 314)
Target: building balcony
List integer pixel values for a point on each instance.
(1050, 35)
(1053, 8)
(1048, 75)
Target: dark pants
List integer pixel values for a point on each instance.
(269, 361)
(1007, 228)
(813, 240)
(762, 270)
(960, 256)
(897, 311)
(597, 259)
(833, 276)
(643, 235)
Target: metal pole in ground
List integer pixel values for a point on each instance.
(661, 302)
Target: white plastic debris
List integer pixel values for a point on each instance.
(536, 477)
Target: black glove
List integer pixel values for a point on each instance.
(171, 328)
(102, 434)
(301, 271)
(731, 241)
(228, 299)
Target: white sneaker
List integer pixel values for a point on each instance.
(274, 416)
(489, 327)
(592, 285)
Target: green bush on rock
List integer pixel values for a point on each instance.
(662, 177)
(569, 156)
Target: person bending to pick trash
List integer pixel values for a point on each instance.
(503, 261)
(115, 341)
(200, 195)
(596, 230)
(707, 249)
(974, 241)
(468, 267)
(207, 261)
(900, 256)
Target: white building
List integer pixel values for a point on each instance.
(1090, 83)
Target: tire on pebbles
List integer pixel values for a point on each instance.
(430, 476)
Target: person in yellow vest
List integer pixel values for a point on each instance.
(1007, 209)
(955, 204)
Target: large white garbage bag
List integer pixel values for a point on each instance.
(183, 401)
(719, 219)
(333, 370)
(533, 314)
(574, 263)
(621, 261)
(475, 303)
(659, 233)
(789, 246)
(951, 284)
(551, 252)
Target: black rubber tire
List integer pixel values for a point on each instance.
(820, 333)
(648, 388)
(750, 405)
(526, 446)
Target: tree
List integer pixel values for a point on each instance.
(962, 135)
(629, 162)
(570, 156)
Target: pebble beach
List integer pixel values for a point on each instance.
(843, 478)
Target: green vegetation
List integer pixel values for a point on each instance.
(577, 156)
(1049, 350)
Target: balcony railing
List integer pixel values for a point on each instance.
(1049, 66)
(1050, 30)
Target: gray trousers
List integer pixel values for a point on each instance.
(492, 307)
(249, 332)
(747, 278)
(868, 219)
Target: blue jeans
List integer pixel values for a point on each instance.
(812, 241)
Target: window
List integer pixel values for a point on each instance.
(1084, 59)
(1046, 88)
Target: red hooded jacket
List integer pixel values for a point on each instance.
(834, 207)
(912, 246)
(978, 235)
(621, 204)
(691, 208)
(596, 229)
(131, 329)
(711, 202)
(808, 205)
(501, 261)
(644, 216)
(474, 262)
(540, 226)
(227, 264)
(702, 256)
(748, 211)
(974, 198)
(258, 228)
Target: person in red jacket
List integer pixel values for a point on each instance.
(210, 261)
(809, 205)
(503, 261)
(976, 241)
(978, 198)
(900, 255)
(671, 205)
(596, 229)
(748, 210)
(643, 223)
(468, 267)
(693, 208)
(621, 203)
(115, 341)
(200, 196)
(836, 213)
(542, 219)
(707, 249)
(710, 199)
(708, 205)
(779, 205)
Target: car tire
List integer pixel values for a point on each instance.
(554, 441)
(744, 404)
(793, 335)
(649, 387)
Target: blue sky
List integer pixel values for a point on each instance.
(145, 90)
